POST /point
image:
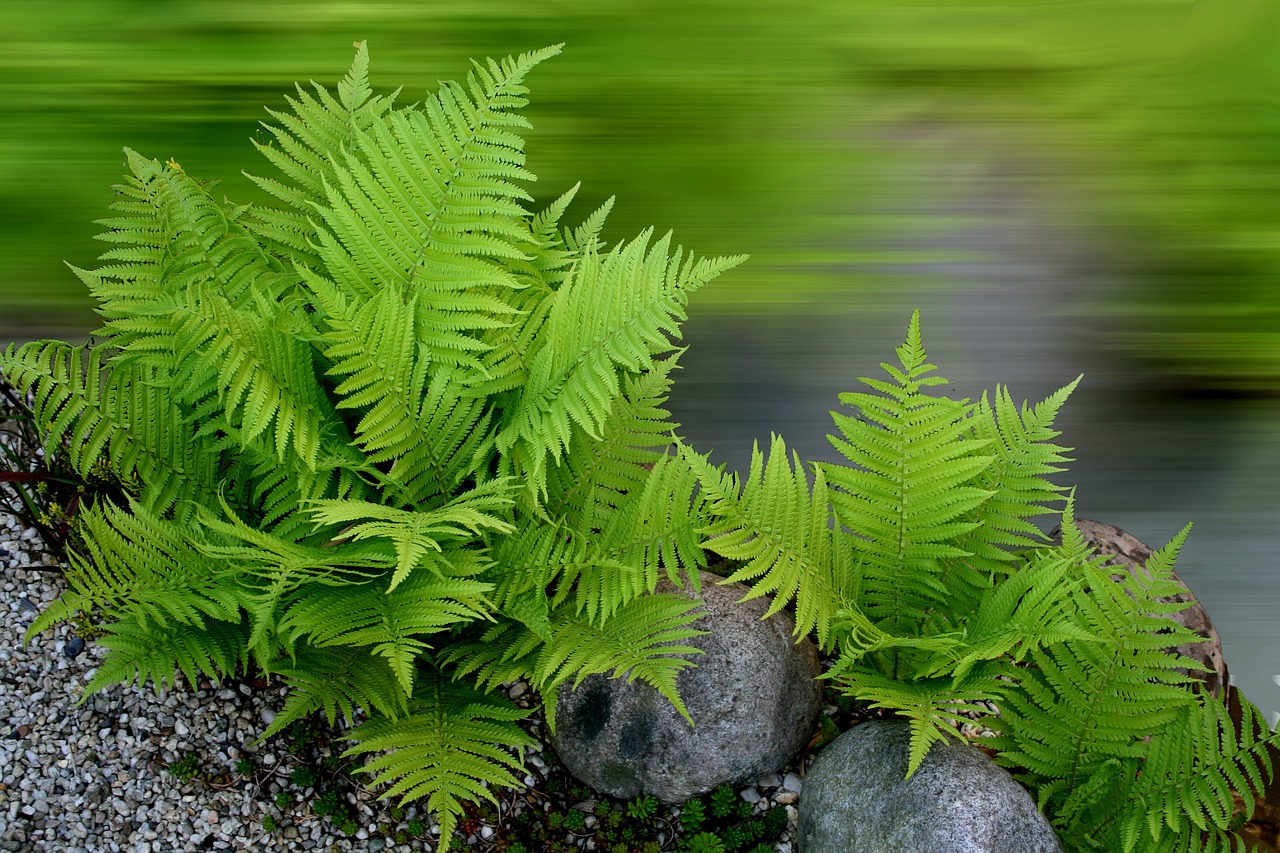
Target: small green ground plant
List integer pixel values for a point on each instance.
(395, 438)
(917, 567)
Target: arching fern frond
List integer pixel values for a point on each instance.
(426, 201)
(1020, 443)
(584, 491)
(617, 313)
(454, 743)
(658, 525)
(779, 528)
(542, 557)
(143, 569)
(153, 653)
(337, 680)
(115, 415)
(1082, 703)
(394, 624)
(643, 640)
(418, 535)
(1184, 790)
(261, 378)
(171, 235)
(306, 145)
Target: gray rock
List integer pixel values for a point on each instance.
(1128, 552)
(752, 696)
(855, 799)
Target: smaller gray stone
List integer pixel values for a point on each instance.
(855, 798)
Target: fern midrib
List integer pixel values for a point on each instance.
(1086, 724)
(425, 242)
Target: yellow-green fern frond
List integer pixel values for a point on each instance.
(910, 496)
(542, 557)
(597, 475)
(617, 313)
(145, 653)
(779, 528)
(453, 745)
(337, 680)
(418, 535)
(395, 625)
(306, 145)
(643, 640)
(115, 415)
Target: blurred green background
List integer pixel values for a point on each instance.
(782, 129)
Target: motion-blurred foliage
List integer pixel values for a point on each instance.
(766, 127)
(1162, 116)
(721, 119)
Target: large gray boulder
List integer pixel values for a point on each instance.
(752, 696)
(855, 800)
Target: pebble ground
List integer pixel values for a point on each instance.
(90, 774)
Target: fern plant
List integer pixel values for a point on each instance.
(918, 568)
(388, 432)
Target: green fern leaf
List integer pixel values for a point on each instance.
(114, 415)
(418, 535)
(911, 497)
(616, 314)
(156, 653)
(643, 639)
(394, 624)
(454, 743)
(779, 528)
(338, 681)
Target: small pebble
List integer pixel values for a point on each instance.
(73, 647)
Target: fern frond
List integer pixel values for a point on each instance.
(1193, 766)
(427, 202)
(306, 145)
(658, 525)
(1082, 703)
(779, 528)
(1020, 443)
(154, 653)
(393, 623)
(337, 680)
(171, 235)
(910, 498)
(584, 491)
(616, 314)
(453, 745)
(932, 706)
(643, 639)
(115, 415)
(541, 557)
(417, 535)
(429, 433)
(137, 567)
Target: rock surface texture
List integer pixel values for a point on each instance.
(855, 799)
(752, 696)
(1130, 553)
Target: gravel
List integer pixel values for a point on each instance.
(84, 774)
